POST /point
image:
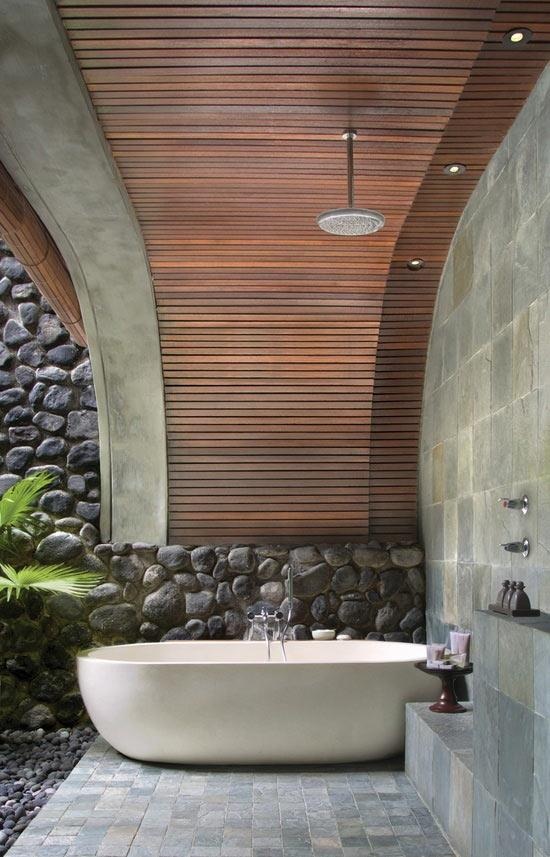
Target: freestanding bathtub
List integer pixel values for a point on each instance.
(223, 702)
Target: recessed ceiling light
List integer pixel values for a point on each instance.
(454, 169)
(415, 264)
(517, 38)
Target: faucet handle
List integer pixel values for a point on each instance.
(521, 547)
(521, 503)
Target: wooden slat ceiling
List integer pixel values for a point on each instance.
(225, 122)
(499, 83)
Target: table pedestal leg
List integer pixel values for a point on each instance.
(447, 702)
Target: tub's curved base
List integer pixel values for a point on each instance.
(250, 712)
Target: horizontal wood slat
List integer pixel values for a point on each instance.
(293, 361)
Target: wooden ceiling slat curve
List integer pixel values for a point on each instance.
(293, 360)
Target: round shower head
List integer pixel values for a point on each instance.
(350, 220)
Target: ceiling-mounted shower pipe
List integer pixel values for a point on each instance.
(350, 220)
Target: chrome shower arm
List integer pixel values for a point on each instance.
(350, 137)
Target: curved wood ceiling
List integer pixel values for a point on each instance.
(34, 247)
(293, 360)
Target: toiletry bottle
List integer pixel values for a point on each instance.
(503, 593)
(509, 595)
(520, 600)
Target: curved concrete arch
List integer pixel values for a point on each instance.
(53, 147)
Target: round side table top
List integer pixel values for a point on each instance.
(454, 672)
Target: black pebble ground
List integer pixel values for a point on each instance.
(32, 766)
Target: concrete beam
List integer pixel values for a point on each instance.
(53, 147)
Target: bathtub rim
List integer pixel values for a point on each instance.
(416, 652)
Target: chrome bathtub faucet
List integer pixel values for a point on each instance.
(270, 624)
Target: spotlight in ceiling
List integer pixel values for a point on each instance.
(454, 169)
(415, 264)
(517, 38)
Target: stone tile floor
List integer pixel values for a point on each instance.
(111, 806)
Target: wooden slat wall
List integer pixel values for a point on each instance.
(224, 119)
(268, 403)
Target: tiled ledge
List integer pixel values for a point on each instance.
(511, 736)
(439, 761)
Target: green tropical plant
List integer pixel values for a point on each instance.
(46, 578)
(18, 517)
(18, 512)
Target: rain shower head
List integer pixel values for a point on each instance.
(350, 220)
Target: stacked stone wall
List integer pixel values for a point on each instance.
(190, 592)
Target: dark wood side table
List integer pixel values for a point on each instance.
(447, 702)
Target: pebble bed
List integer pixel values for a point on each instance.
(32, 766)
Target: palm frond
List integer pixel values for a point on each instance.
(17, 504)
(46, 578)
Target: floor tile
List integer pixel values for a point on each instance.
(110, 806)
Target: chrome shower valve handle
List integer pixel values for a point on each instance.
(521, 503)
(521, 547)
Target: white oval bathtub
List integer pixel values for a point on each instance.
(222, 702)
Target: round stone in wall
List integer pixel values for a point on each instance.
(12, 396)
(312, 581)
(224, 595)
(412, 619)
(199, 603)
(89, 511)
(59, 547)
(365, 556)
(344, 579)
(268, 568)
(105, 593)
(63, 355)
(57, 502)
(15, 334)
(19, 458)
(6, 481)
(49, 422)
(216, 627)
(390, 582)
(243, 586)
(82, 374)
(356, 614)
(58, 399)
(83, 456)
(82, 424)
(166, 606)
(32, 354)
(178, 633)
(406, 557)
(196, 629)
(115, 620)
(127, 569)
(272, 591)
(154, 576)
(241, 560)
(51, 447)
(416, 580)
(336, 555)
(387, 618)
(174, 557)
(203, 559)
(320, 608)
